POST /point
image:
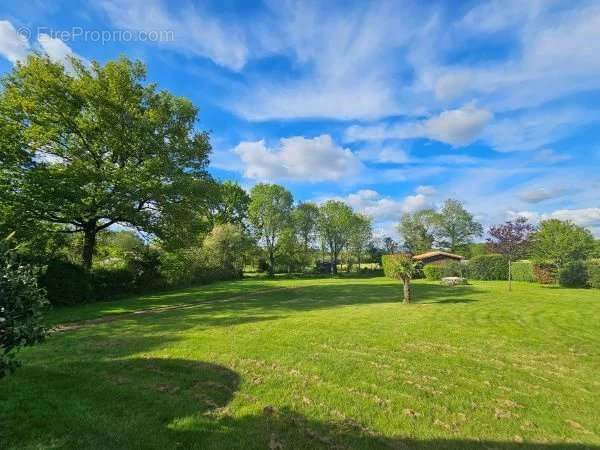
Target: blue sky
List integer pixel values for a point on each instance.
(390, 106)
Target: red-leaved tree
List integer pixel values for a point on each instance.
(510, 239)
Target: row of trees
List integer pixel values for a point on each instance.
(84, 150)
(451, 227)
(287, 232)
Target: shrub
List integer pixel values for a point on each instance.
(145, 266)
(110, 282)
(522, 271)
(21, 303)
(544, 273)
(452, 269)
(593, 269)
(387, 263)
(433, 272)
(488, 267)
(66, 283)
(573, 274)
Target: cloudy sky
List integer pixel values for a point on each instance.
(390, 106)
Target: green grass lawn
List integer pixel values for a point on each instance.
(331, 363)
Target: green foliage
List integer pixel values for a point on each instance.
(387, 263)
(448, 269)
(66, 283)
(454, 226)
(573, 274)
(232, 204)
(335, 224)
(416, 231)
(558, 242)
(270, 214)
(115, 150)
(225, 247)
(522, 271)
(21, 304)
(398, 266)
(471, 250)
(453, 269)
(361, 233)
(593, 269)
(544, 273)
(488, 267)
(433, 272)
(111, 282)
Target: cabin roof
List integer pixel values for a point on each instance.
(435, 253)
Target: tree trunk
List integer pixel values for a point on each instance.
(509, 275)
(333, 262)
(407, 292)
(89, 244)
(271, 263)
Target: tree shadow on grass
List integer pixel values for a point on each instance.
(174, 403)
(271, 305)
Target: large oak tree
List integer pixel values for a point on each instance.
(94, 145)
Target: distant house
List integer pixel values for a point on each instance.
(437, 257)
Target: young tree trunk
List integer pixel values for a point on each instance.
(333, 261)
(407, 292)
(509, 275)
(271, 263)
(89, 244)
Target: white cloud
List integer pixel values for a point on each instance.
(426, 190)
(382, 208)
(195, 32)
(554, 52)
(13, 46)
(457, 127)
(58, 51)
(452, 85)
(585, 217)
(549, 156)
(540, 194)
(298, 158)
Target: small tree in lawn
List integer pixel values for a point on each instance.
(511, 239)
(403, 268)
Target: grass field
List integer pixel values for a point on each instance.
(321, 363)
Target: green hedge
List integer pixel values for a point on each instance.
(574, 275)
(67, 283)
(433, 272)
(488, 267)
(448, 269)
(522, 271)
(593, 270)
(386, 262)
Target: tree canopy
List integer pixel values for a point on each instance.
(269, 213)
(335, 225)
(454, 226)
(416, 231)
(558, 242)
(95, 146)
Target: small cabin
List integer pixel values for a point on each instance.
(437, 257)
